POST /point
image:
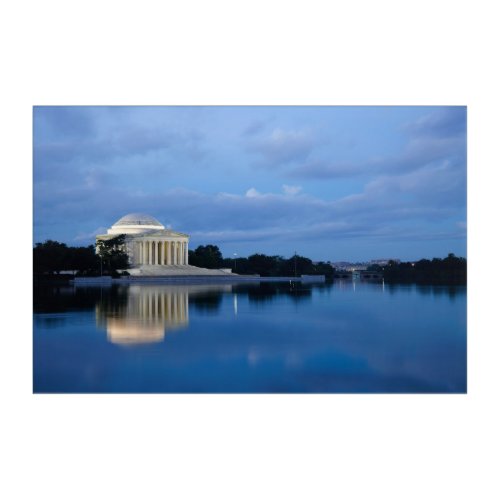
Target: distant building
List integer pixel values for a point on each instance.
(384, 262)
(349, 266)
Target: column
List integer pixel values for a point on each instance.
(162, 253)
(187, 253)
(175, 252)
(150, 253)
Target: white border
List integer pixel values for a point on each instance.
(222, 52)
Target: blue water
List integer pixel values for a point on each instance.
(259, 338)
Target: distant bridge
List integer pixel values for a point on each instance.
(360, 275)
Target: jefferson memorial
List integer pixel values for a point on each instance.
(152, 249)
(147, 242)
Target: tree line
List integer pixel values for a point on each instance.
(107, 257)
(451, 270)
(209, 256)
(52, 257)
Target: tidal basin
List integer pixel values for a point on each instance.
(341, 337)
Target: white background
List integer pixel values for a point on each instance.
(234, 446)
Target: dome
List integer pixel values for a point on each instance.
(138, 220)
(134, 224)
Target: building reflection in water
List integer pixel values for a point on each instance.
(140, 314)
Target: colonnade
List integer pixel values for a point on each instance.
(149, 313)
(162, 253)
(168, 308)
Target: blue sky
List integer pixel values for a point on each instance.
(332, 183)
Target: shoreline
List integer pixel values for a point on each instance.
(195, 279)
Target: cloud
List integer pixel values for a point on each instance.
(283, 146)
(252, 193)
(291, 190)
(85, 237)
(254, 128)
(272, 216)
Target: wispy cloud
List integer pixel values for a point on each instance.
(283, 146)
(444, 122)
(86, 237)
(254, 128)
(291, 190)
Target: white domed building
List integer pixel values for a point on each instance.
(148, 242)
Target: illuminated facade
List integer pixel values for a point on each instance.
(145, 314)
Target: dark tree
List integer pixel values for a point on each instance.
(208, 256)
(84, 259)
(50, 257)
(113, 254)
(451, 270)
(264, 265)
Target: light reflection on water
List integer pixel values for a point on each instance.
(268, 337)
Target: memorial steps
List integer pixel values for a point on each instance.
(185, 270)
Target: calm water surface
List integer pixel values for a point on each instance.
(341, 337)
